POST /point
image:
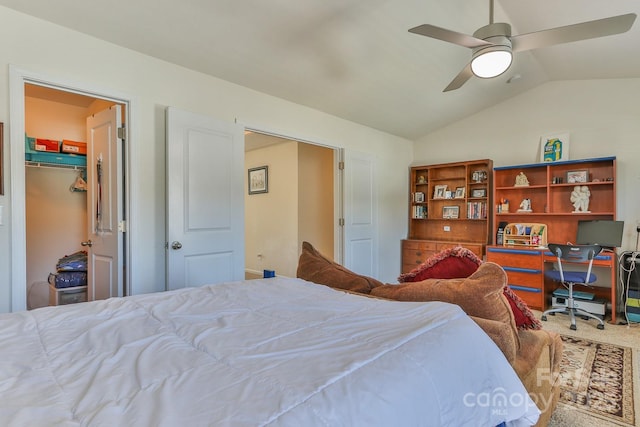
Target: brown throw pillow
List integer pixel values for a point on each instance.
(314, 267)
(479, 295)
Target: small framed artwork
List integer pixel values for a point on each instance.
(577, 176)
(259, 180)
(439, 191)
(554, 148)
(450, 212)
(479, 192)
(459, 193)
(418, 197)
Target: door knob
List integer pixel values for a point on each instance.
(176, 245)
(87, 243)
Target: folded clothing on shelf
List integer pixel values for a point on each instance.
(77, 261)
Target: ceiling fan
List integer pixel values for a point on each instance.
(493, 45)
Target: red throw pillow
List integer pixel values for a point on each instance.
(525, 319)
(461, 262)
(452, 263)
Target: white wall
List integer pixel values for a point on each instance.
(602, 117)
(315, 198)
(61, 54)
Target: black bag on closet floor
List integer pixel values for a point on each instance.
(68, 279)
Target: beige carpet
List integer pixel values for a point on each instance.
(567, 415)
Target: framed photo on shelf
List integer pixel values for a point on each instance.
(479, 192)
(450, 212)
(439, 191)
(259, 180)
(577, 176)
(459, 193)
(418, 197)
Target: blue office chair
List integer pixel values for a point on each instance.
(573, 253)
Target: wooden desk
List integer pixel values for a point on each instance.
(525, 269)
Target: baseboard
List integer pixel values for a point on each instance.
(252, 274)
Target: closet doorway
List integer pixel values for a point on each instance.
(51, 217)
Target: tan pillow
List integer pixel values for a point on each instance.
(479, 295)
(314, 267)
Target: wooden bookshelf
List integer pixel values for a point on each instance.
(450, 204)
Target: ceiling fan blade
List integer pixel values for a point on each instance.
(460, 79)
(449, 36)
(571, 33)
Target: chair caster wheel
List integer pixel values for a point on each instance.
(600, 326)
(573, 327)
(544, 318)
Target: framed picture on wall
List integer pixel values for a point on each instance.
(259, 180)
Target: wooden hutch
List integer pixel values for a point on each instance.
(449, 205)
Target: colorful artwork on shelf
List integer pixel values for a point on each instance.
(554, 148)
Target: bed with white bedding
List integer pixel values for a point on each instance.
(273, 352)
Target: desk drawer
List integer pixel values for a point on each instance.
(515, 258)
(533, 280)
(534, 298)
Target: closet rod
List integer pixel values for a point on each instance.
(54, 166)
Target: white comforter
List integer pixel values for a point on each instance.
(279, 352)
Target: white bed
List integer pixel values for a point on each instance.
(277, 352)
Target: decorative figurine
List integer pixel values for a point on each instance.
(521, 180)
(580, 198)
(525, 206)
(479, 176)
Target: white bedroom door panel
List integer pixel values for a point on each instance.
(205, 200)
(104, 178)
(360, 214)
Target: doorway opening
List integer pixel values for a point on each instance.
(302, 202)
(41, 193)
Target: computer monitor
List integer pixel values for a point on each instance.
(605, 233)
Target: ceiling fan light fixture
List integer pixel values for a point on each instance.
(491, 61)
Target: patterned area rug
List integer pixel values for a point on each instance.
(598, 378)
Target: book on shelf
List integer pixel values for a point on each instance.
(476, 210)
(419, 212)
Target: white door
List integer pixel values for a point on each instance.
(360, 214)
(104, 207)
(205, 200)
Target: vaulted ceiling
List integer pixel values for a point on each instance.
(355, 58)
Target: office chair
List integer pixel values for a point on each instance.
(573, 253)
